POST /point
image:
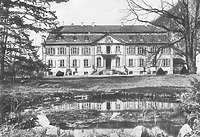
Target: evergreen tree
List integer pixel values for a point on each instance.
(18, 19)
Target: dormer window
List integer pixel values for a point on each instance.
(86, 38)
(75, 38)
(141, 38)
(130, 38)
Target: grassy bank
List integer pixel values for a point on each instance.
(95, 84)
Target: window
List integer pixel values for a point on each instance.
(61, 51)
(141, 62)
(131, 50)
(98, 49)
(62, 63)
(166, 62)
(50, 51)
(74, 63)
(74, 50)
(86, 38)
(86, 63)
(154, 49)
(130, 38)
(117, 49)
(141, 50)
(117, 106)
(50, 63)
(130, 62)
(165, 51)
(117, 62)
(141, 38)
(98, 62)
(86, 50)
(75, 38)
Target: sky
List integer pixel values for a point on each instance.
(102, 12)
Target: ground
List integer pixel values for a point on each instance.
(96, 84)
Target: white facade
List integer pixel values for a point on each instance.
(111, 53)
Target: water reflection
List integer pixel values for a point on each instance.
(82, 118)
(115, 106)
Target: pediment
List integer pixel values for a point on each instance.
(109, 40)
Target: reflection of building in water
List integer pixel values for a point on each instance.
(115, 106)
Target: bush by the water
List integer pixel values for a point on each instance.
(60, 73)
(160, 72)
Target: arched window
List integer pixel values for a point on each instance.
(117, 62)
(99, 62)
(74, 63)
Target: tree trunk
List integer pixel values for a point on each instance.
(2, 60)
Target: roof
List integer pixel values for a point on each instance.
(107, 28)
(89, 35)
(178, 61)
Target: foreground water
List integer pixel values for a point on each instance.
(111, 113)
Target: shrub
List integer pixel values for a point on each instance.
(60, 73)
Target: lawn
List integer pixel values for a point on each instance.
(96, 84)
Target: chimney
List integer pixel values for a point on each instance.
(93, 23)
(82, 23)
(122, 23)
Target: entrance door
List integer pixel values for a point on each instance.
(108, 63)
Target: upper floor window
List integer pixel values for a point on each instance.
(74, 50)
(61, 51)
(141, 50)
(98, 49)
(166, 62)
(50, 63)
(86, 50)
(62, 63)
(99, 62)
(50, 51)
(165, 51)
(131, 50)
(117, 49)
(154, 49)
(117, 62)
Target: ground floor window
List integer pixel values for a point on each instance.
(130, 62)
(117, 62)
(165, 62)
(86, 62)
(141, 62)
(62, 63)
(50, 63)
(74, 63)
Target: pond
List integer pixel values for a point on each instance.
(113, 112)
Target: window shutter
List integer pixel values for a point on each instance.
(134, 62)
(54, 63)
(138, 62)
(127, 62)
(89, 62)
(102, 62)
(78, 63)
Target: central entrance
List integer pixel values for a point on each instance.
(108, 63)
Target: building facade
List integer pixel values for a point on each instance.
(107, 50)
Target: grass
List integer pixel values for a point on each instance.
(97, 84)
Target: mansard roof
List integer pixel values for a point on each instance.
(88, 35)
(107, 28)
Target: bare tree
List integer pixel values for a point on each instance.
(179, 18)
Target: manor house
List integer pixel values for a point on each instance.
(108, 50)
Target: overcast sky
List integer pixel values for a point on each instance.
(105, 12)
